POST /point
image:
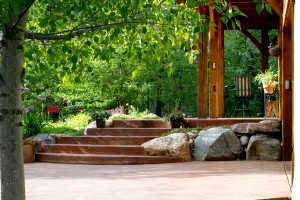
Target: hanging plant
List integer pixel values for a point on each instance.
(268, 79)
(275, 51)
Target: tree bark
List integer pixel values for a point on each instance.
(11, 159)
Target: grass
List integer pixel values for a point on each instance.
(182, 130)
(62, 128)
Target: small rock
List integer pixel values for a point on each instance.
(244, 140)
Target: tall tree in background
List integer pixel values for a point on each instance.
(67, 30)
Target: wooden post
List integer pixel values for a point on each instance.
(202, 77)
(216, 72)
(286, 94)
(264, 50)
(220, 65)
(213, 76)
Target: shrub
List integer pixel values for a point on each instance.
(32, 124)
(80, 120)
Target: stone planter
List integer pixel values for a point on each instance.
(28, 153)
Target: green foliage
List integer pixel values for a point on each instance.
(242, 58)
(182, 130)
(174, 115)
(32, 124)
(261, 5)
(101, 114)
(266, 78)
(58, 128)
(133, 113)
(80, 120)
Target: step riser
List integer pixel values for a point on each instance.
(103, 141)
(140, 124)
(117, 145)
(105, 160)
(77, 149)
(125, 132)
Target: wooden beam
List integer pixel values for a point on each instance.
(264, 51)
(252, 38)
(202, 77)
(276, 5)
(287, 14)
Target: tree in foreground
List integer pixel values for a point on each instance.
(66, 31)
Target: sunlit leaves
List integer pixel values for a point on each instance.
(261, 5)
(259, 8)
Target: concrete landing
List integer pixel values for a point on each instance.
(177, 181)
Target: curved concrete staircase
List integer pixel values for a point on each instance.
(119, 144)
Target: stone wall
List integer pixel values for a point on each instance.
(250, 141)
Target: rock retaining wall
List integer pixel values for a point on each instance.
(250, 141)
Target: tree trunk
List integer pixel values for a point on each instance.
(12, 168)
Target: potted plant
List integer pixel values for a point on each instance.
(33, 122)
(176, 118)
(100, 117)
(30, 147)
(268, 79)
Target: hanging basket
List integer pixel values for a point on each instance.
(28, 153)
(274, 52)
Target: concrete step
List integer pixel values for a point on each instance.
(103, 159)
(127, 131)
(94, 149)
(103, 140)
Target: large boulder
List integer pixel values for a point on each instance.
(174, 145)
(217, 144)
(263, 147)
(265, 126)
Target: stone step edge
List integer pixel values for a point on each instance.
(131, 128)
(102, 155)
(107, 136)
(95, 145)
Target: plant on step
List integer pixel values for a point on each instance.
(174, 115)
(101, 114)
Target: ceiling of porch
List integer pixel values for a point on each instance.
(255, 21)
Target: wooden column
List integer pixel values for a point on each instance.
(216, 72)
(213, 76)
(286, 94)
(202, 77)
(220, 64)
